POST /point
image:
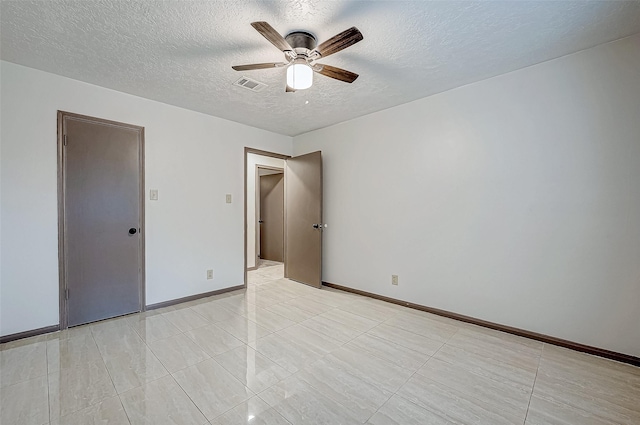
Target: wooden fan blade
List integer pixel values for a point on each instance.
(339, 42)
(272, 35)
(258, 66)
(337, 73)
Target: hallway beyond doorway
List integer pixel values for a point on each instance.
(267, 263)
(267, 271)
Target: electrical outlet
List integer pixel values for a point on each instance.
(209, 274)
(153, 194)
(394, 279)
(228, 198)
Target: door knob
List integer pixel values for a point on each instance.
(260, 221)
(133, 231)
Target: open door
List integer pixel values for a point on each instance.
(303, 219)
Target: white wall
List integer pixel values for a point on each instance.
(514, 200)
(1, 104)
(191, 158)
(252, 161)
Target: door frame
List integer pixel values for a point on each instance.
(248, 150)
(62, 276)
(257, 212)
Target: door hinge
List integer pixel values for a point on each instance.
(64, 140)
(66, 294)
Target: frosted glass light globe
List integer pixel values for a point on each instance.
(299, 76)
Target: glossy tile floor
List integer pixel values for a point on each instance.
(281, 353)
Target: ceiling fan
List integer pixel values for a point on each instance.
(301, 54)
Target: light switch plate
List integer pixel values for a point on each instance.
(228, 198)
(153, 194)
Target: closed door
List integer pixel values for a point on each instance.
(303, 219)
(102, 192)
(272, 217)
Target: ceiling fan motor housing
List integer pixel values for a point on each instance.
(301, 41)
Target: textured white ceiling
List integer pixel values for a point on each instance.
(181, 52)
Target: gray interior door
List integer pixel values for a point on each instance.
(303, 219)
(272, 217)
(102, 219)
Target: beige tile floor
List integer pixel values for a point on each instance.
(284, 353)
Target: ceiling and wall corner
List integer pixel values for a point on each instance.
(181, 53)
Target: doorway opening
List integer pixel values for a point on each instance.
(283, 217)
(269, 224)
(264, 235)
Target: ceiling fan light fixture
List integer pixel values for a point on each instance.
(299, 75)
(301, 52)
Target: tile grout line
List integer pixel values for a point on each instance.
(341, 345)
(404, 346)
(534, 385)
(491, 378)
(109, 373)
(254, 393)
(187, 394)
(265, 308)
(407, 380)
(405, 383)
(430, 358)
(273, 407)
(123, 409)
(396, 344)
(327, 396)
(360, 333)
(406, 330)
